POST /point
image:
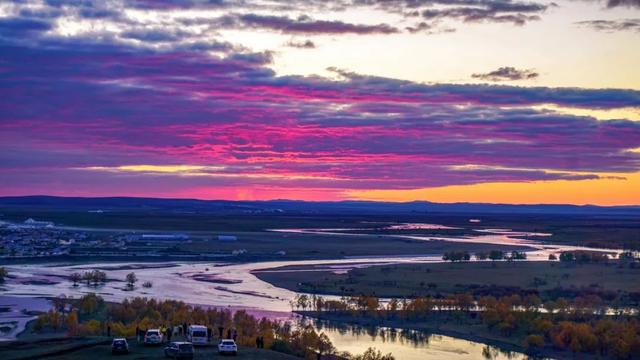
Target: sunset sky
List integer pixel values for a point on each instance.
(510, 101)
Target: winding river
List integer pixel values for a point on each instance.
(233, 285)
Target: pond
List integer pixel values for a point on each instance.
(408, 344)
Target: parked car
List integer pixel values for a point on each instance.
(153, 337)
(197, 334)
(119, 346)
(179, 350)
(227, 346)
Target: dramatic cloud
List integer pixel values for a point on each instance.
(612, 25)
(110, 16)
(154, 104)
(507, 73)
(197, 121)
(305, 25)
(517, 13)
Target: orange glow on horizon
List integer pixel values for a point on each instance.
(606, 191)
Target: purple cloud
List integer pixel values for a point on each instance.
(79, 115)
(304, 25)
(103, 107)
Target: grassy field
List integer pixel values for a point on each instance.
(376, 239)
(98, 348)
(327, 246)
(262, 246)
(590, 230)
(477, 277)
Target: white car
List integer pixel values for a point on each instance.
(227, 346)
(153, 337)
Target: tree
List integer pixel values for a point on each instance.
(131, 280)
(496, 255)
(553, 257)
(373, 354)
(59, 302)
(454, 256)
(3, 274)
(147, 284)
(302, 301)
(75, 278)
(324, 345)
(96, 277)
(87, 276)
(99, 277)
(482, 255)
(533, 343)
(72, 323)
(91, 304)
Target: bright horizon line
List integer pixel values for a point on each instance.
(316, 201)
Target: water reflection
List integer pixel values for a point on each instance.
(407, 344)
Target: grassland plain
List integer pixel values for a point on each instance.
(331, 246)
(374, 238)
(548, 279)
(619, 231)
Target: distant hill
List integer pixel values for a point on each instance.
(298, 207)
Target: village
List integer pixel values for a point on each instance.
(43, 239)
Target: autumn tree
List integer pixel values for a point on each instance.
(72, 324)
(533, 343)
(373, 354)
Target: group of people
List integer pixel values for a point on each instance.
(260, 342)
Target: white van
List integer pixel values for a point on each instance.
(197, 334)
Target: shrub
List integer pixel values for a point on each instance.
(533, 343)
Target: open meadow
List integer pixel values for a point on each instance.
(549, 280)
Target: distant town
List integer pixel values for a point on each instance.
(37, 239)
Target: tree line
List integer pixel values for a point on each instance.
(91, 315)
(493, 255)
